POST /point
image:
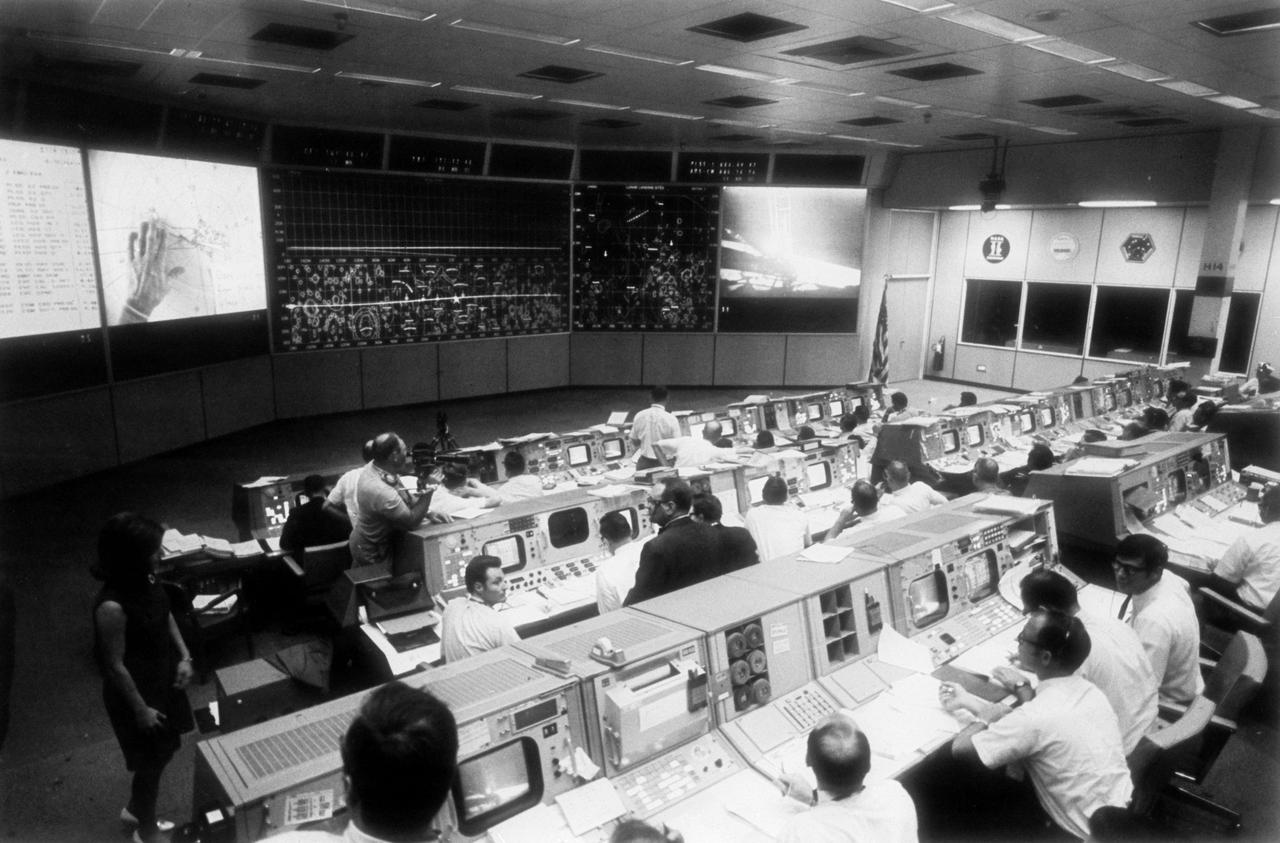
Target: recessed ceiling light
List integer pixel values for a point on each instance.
(1135, 71)
(638, 55)
(1117, 203)
(494, 92)
(1232, 102)
(955, 112)
(821, 89)
(512, 32)
(992, 25)
(1050, 130)
(390, 80)
(375, 8)
(1068, 50)
(1274, 202)
(792, 131)
(673, 115)
(743, 123)
(896, 143)
(964, 207)
(1006, 122)
(586, 104)
(901, 102)
(852, 138)
(738, 72)
(1269, 113)
(921, 6)
(1191, 89)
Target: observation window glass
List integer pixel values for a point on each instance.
(1055, 317)
(991, 312)
(1128, 323)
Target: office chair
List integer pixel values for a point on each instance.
(315, 572)
(211, 622)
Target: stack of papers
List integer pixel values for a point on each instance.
(1098, 466)
(201, 602)
(174, 542)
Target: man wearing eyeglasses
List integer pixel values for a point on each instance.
(684, 552)
(1163, 615)
(1065, 735)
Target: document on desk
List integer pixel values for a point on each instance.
(1100, 601)
(541, 822)
(613, 490)
(591, 806)
(771, 816)
(264, 480)
(896, 649)
(828, 554)
(1098, 466)
(996, 651)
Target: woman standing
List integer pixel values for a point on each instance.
(145, 663)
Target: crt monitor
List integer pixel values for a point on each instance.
(835, 409)
(613, 449)
(950, 441)
(728, 427)
(927, 601)
(1046, 417)
(981, 574)
(510, 549)
(568, 527)
(632, 517)
(1026, 422)
(973, 433)
(756, 488)
(497, 784)
(696, 428)
(578, 455)
(819, 474)
(814, 411)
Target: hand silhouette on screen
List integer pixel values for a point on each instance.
(150, 279)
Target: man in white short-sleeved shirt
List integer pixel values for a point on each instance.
(616, 574)
(382, 506)
(1250, 569)
(905, 495)
(472, 624)
(778, 528)
(651, 426)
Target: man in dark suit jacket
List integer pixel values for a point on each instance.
(737, 548)
(683, 553)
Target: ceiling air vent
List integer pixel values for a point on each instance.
(870, 121)
(856, 50)
(935, 72)
(1241, 24)
(302, 37)
(1064, 101)
(244, 83)
(740, 101)
(747, 26)
(559, 73)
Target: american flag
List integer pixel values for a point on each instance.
(880, 345)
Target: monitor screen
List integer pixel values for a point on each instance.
(973, 433)
(979, 574)
(950, 441)
(568, 527)
(819, 474)
(729, 427)
(1077, 405)
(781, 414)
(1126, 397)
(632, 518)
(1108, 400)
(835, 409)
(496, 785)
(1026, 423)
(927, 600)
(510, 549)
(1046, 417)
(814, 411)
(695, 429)
(756, 489)
(579, 455)
(769, 416)
(613, 449)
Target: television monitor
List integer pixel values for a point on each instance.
(781, 414)
(835, 409)
(1046, 417)
(613, 449)
(814, 411)
(510, 549)
(729, 427)
(1126, 397)
(1108, 400)
(696, 428)
(756, 489)
(980, 575)
(1026, 422)
(769, 416)
(927, 601)
(1077, 405)
(497, 784)
(950, 441)
(973, 433)
(632, 517)
(579, 455)
(568, 527)
(819, 474)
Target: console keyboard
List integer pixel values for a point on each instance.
(660, 783)
(805, 708)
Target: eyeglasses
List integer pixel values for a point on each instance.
(1118, 566)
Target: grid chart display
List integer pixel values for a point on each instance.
(645, 257)
(372, 259)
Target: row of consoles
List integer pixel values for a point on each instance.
(599, 455)
(680, 702)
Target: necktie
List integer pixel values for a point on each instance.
(1124, 607)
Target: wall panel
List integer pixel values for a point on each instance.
(49, 440)
(948, 287)
(1259, 247)
(750, 359)
(537, 362)
(237, 395)
(473, 367)
(998, 364)
(1193, 226)
(154, 415)
(1050, 231)
(823, 360)
(1163, 225)
(605, 359)
(393, 376)
(1015, 229)
(1043, 371)
(315, 383)
(679, 359)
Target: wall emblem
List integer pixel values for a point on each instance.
(995, 248)
(1064, 246)
(1136, 248)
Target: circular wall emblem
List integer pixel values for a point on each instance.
(1136, 248)
(1064, 246)
(995, 248)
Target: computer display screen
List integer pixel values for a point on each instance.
(613, 449)
(950, 441)
(510, 549)
(973, 433)
(579, 455)
(979, 574)
(756, 488)
(819, 475)
(927, 601)
(1026, 422)
(632, 518)
(496, 785)
(835, 409)
(1046, 417)
(814, 411)
(729, 427)
(781, 414)
(695, 429)
(1126, 397)
(568, 527)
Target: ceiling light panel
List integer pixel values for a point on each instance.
(671, 114)
(901, 102)
(921, 5)
(820, 89)
(1269, 113)
(389, 80)
(992, 25)
(1135, 71)
(637, 55)
(374, 8)
(1232, 102)
(1191, 89)
(494, 92)
(513, 32)
(1050, 130)
(738, 72)
(1068, 50)
(585, 104)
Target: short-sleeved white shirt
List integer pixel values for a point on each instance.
(1068, 740)
(616, 575)
(651, 426)
(1165, 620)
(470, 626)
(1119, 666)
(778, 529)
(379, 509)
(343, 493)
(882, 812)
(1253, 561)
(521, 487)
(916, 497)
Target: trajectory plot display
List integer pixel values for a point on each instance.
(645, 257)
(363, 259)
